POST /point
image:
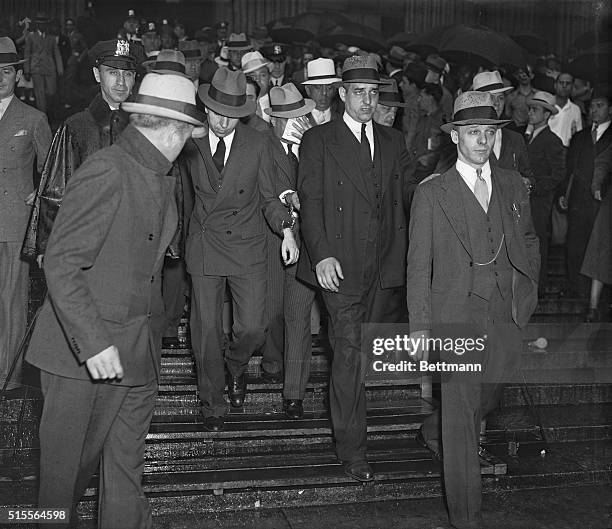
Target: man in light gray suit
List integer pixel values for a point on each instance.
(25, 137)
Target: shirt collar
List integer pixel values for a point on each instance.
(6, 101)
(354, 125)
(467, 171)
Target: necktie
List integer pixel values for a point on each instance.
(481, 191)
(365, 145)
(219, 156)
(594, 132)
(293, 161)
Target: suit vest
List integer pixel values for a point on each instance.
(491, 265)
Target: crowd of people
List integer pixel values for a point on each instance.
(284, 181)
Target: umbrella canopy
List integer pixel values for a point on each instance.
(427, 42)
(594, 64)
(305, 26)
(353, 34)
(531, 42)
(480, 45)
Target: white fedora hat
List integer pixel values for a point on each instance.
(489, 82)
(253, 60)
(321, 71)
(168, 96)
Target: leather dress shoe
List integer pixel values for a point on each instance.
(271, 378)
(236, 390)
(436, 455)
(214, 424)
(359, 470)
(293, 408)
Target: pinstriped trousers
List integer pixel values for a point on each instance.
(13, 308)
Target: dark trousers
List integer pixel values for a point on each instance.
(298, 300)
(541, 210)
(580, 220)
(248, 331)
(175, 289)
(347, 399)
(85, 424)
(466, 402)
(272, 351)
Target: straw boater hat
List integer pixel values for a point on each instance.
(489, 82)
(388, 95)
(321, 71)
(474, 108)
(168, 62)
(545, 100)
(226, 95)
(287, 102)
(167, 96)
(253, 60)
(361, 69)
(238, 42)
(8, 53)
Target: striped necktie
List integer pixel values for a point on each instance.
(481, 191)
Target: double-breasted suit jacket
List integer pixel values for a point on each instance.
(226, 234)
(338, 204)
(103, 264)
(439, 292)
(25, 138)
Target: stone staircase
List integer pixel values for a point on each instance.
(263, 459)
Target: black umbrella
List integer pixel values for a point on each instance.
(305, 26)
(594, 64)
(427, 42)
(531, 42)
(353, 34)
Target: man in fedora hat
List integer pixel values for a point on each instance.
(25, 138)
(97, 340)
(351, 186)
(193, 58)
(231, 172)
(547, 158)
(257, 68)
(436, 67)
(43, 62)
(81, 135)
(289, 301)
(473, 266)
(321, 86)
(237, 46)
(389, 100)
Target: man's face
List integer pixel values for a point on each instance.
(600, 110)
(499, 100)
(432, 77)
(192, 68)
(409, 89)
(69, 25)
(277, 68)
(426, 102)
(580, 88)
(384, 115)
(221, 33)
(564, 84)
(321, 94)
(9, 77)
(474, 143)
(360, 100)
(221, 126)
(235, 57)
(116, 85)
(278, 125)
(179, 31)
(262, 77)
(537, 116)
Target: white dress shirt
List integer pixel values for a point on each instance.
(322, 116)
(355, 127)
(468, 173)
(566, 122)
(213, 141)
(4, 103)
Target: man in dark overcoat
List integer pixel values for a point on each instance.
(473, 264)
(351, 184)
(97, 340)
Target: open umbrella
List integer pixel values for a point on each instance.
(305, 26)
(480, 45)
(427, 42)
(353, 34)
(531, 42)
(594, 64)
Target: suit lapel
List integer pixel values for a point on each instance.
(603, 142)
(210, 169)
(383, 144)
(449, 199)
(344, 148)
(12, 120)
(281, 159)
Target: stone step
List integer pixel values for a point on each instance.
(412, 475)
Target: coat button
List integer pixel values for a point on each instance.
(152, 279)
(148, 314)
(150, 236)
(339, 208)
(338, 236)
(241, 191)
(340, 182)
(395, 203)
(228, 232)
(234, 213)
